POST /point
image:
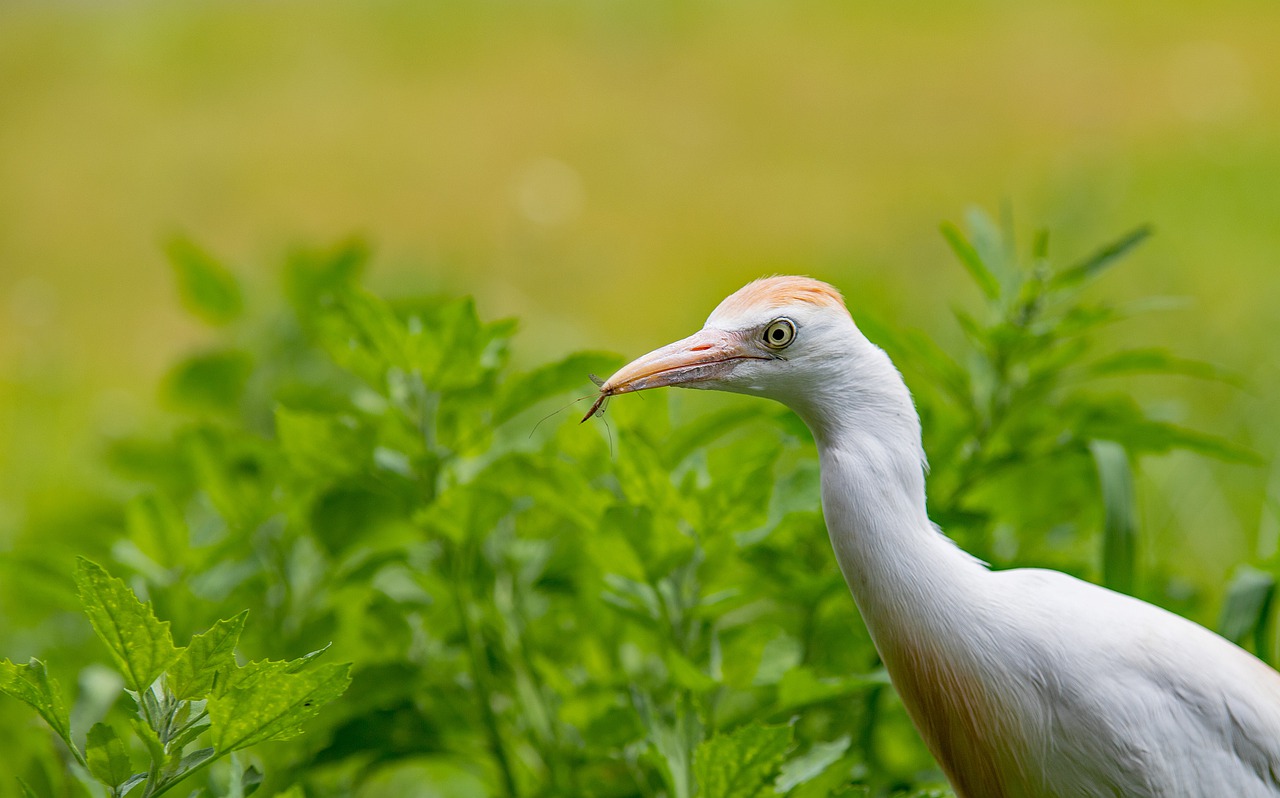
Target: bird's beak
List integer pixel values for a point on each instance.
(705, 355)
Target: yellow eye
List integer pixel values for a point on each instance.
(780, 333)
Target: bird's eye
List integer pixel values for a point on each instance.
(780, 333)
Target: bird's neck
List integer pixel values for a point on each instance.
(903, 573)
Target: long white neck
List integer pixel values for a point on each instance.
(903, 573)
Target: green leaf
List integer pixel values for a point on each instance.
(1248, 607)
(1101, 260)
(698, 433)
(685, 673)
(1158, 361)
(31, 685)
(321, 445)
(141, 645)
(1120, 533)
(972, 261)
(108, 760)
(209, 382)
(314, 277)
(570, 374)
(207, 288)
(156, 528)
(194, 673)
(196, 759)
(740, 764)
(673, 741)
(811, 764)
(801, 687)
(273, 705)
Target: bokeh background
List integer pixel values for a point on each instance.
(608, 171)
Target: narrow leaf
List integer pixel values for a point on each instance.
(156, 527)
(971, 260)
(1120, 533)
(207, 288)
(673, 741)
(274, 706)
(1247, 610)
(740, 764)
(192, 675)
(193, 760)
(108, 760)
(809, 765)
(1158, 361)
(801, 687)
(141, 645)
(1101, 260)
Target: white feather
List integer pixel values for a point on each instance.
(1023, 682)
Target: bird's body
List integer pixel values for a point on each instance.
(1023, 683)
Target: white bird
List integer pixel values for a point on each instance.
(1024, 682)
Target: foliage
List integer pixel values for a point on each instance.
(183, 696)
(643, 607)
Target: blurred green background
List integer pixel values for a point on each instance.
(608, 171)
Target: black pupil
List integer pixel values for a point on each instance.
(779, 334)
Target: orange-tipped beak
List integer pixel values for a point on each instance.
(705, 355)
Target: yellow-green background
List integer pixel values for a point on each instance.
(608, 170)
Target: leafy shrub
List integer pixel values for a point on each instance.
(547, 609)
(181, 695)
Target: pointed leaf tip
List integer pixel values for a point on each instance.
(140, 644)
(971, 260)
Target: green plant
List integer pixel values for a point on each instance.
(550, 609)
(193, 705)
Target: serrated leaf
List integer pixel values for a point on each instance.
(193, 674)
(207, 288)
(742, 763)
(106, 755)
(273, 706)
(971, 260)
(1101, 260)
(811, 764)
(140, 644)
(31, 685)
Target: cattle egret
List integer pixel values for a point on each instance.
(1024, 682)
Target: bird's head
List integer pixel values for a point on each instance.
(785, 338)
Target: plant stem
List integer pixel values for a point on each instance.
(480, 671)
